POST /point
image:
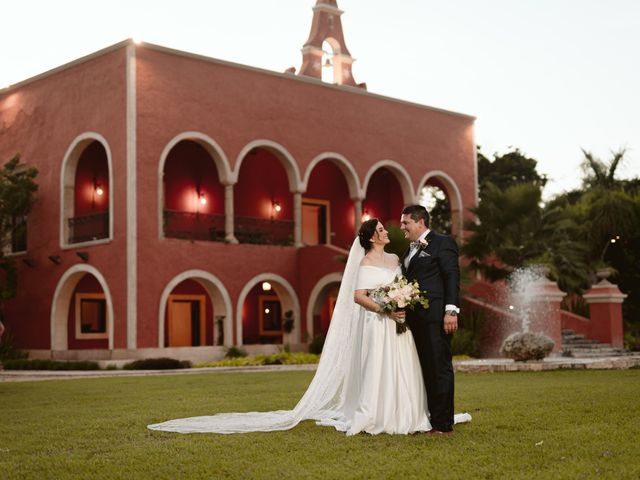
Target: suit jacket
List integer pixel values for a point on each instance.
(437, 271)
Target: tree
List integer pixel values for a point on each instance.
(17, 188)
(514, 230)
(598, 174)
(508, 169)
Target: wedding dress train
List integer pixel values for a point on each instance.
(368, 379)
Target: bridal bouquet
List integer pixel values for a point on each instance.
(399, 295)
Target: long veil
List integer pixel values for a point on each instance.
(325, 394)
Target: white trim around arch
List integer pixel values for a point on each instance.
(315, 293)
(288, 162)
(67, 185)
(213, 149)
(345, 167)
(401, 175)
(288, 300)
(61, 301)
(455, 198)
(217, 293)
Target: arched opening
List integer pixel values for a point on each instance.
(323, 308)
(327, 208)
(86, 194)
(193, 195)
(263, 203)
(441, 196)
(328, 65)
(268, 312)
(384, 197)
(195, 310)
(434, 198)
(82, 311)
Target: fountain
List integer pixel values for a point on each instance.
(534, 327)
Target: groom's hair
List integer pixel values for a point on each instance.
(417, 212)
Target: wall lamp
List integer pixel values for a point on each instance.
(266, 286)
(83, 255)
(55, 259)
(276, 206)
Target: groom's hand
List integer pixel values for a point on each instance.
(450, 323)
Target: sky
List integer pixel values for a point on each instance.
(546, 76)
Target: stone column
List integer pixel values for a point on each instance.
(228, 214)
(297, 219)
(605, 311)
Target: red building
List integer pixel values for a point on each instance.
(186, 202)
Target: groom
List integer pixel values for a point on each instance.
(432, 260)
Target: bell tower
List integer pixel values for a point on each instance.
(325, 50)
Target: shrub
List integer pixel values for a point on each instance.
(282, 358)
(316, 345)
(24, 364)
(463, 343)
(523, 346)
(235, 352)
(7, 349)
(163, 363)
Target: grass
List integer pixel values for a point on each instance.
(561, 424)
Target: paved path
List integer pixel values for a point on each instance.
(479, 365)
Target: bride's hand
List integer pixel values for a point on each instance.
(398, 315)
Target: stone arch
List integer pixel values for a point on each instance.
(217, 293)
(286, 294)
(288, 162)
(455, 199)
(315, 294)
(62, 298)
(213, 149)
(401, 175)
(345, 167)
(67, 185)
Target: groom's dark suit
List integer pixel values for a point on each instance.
(437, 272)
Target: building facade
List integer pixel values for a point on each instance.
(187, 203)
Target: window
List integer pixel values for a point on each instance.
(91, 316)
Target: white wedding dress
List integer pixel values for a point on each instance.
(368, 379)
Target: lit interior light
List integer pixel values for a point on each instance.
(511, 307)
(266, 286)
(99, 190)
(613, 240)
(366, 217)
(266, 310)
(203, 199)
(276, 206)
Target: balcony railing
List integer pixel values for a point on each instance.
(263, 231)
(194, 226)
(87, 228)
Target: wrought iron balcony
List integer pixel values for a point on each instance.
(87, 228)
(194, 226)
(263, 231)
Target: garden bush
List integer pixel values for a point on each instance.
(25, 364)
(163, 363)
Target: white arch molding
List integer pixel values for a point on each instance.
(406, 185)
(286, 159)
(61, 301)
(455, 199)
(286, 294)
(217, 294)
(68, 181)
(318, 289)
(345, 166)
(212, 148)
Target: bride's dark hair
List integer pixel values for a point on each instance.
(367, 229)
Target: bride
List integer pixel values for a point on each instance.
(369, 377)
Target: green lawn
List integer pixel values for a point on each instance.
(562, 424)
